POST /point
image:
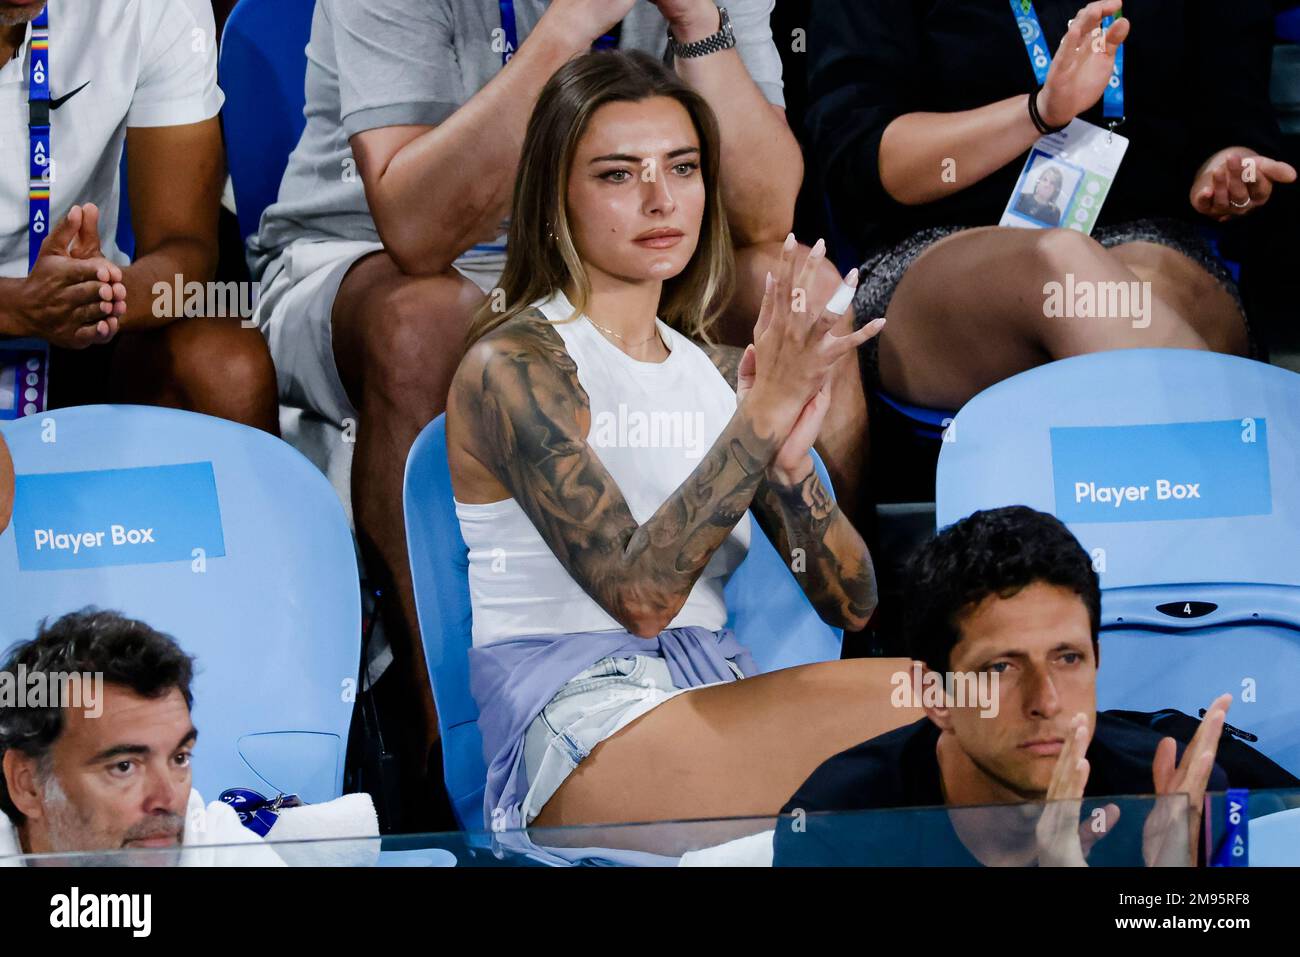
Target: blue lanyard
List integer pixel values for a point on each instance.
(38, 128)
(1234, 849)
(1031, 31)
(511, 29)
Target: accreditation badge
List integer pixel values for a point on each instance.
(1066, 179)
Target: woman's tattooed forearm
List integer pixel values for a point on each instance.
(821, 546)
(824, 550)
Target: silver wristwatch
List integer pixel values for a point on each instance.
(724, 39)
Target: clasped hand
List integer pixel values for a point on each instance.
(785, 375)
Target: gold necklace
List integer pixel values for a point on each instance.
(630, 345)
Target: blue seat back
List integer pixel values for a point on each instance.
(262, 68)
(1201, 595)
(270, 607)
(1133, 417)
(770, 614)
(1275, 839)
(440, 572)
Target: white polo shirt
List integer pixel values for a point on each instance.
(144, 63)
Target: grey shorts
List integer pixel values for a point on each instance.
(592, 706)
(296, 310)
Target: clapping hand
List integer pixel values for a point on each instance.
(1083, 63)
(787, 316)
(1164, 842)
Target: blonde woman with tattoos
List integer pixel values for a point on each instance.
(599, 542)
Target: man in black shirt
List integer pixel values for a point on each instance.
(1006, 602)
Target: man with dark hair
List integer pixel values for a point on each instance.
(1006, 601)
(112, 770)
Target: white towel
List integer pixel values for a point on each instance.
(351, 816)
(752, 851)
(213, 837)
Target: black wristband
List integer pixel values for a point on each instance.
(1039, 123)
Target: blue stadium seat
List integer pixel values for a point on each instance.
(1201, 593)
(1275, 839)
(263, 62)
(760, 593)
(923, 422)
(270, 605)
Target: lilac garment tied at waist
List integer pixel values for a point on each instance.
(512, 681)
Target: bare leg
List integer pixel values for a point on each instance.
(733, 750)
(971, 312)
(843, 441)
(208, 365)
(397, 342)
(1196, 295)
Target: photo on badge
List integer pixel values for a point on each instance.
(1046, 190)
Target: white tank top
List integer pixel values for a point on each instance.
(651, 424)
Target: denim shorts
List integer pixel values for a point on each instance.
(590, 707)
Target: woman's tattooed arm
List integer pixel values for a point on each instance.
(527, 417)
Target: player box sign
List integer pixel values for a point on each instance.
(1166, 472)
(118, 535)
(140, 516)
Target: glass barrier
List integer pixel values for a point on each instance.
(1110, 832)
(1107, 832)
(1259, 828)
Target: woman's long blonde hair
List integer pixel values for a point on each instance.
(538, 265)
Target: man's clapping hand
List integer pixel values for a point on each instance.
(73, 297)
(1165, 843)
(1171, 832)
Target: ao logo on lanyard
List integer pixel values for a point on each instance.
(1031, 31)
(38, 126)
(24, 363)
